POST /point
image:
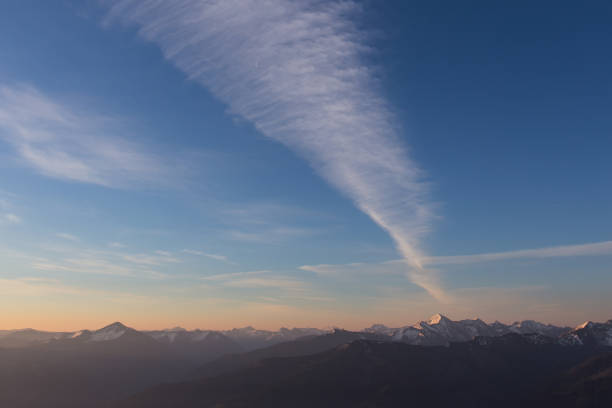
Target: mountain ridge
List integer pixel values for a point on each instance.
(437, 330)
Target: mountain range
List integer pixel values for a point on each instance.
(504, 371)
(437, 331)
(98, 368)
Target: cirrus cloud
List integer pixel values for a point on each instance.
(297, 70)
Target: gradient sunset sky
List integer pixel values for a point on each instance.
(217, 164)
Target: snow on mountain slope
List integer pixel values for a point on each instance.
(439, 330)
(250, 338)
(589, 334)
(180, 335)
(111, 332)
(530, 326)
(167, 335)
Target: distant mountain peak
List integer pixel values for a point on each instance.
(114, 325)
(437, 319)
(584, 325)
(111, 332)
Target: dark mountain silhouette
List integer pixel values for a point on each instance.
(300, 347)
(28, 337)
(588, 384)
(435, 363)
(91, 368)
(507, 371)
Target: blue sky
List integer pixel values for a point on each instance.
(214, 164)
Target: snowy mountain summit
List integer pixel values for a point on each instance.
(439, 330)
(589, 334)
(111, 332)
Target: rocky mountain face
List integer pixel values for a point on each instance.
(589, 333)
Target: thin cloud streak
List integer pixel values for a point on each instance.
(256, 280)
(597, 248)
(67, 236)
(233, 275)
(11, 218)
(590, 249)
(216, 257)
(296, 70)
(60, 142)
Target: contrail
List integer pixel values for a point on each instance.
(297, 70)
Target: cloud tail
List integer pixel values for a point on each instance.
(297, 71)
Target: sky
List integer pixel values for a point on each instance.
(218, 164)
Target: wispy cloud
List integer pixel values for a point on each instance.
(79, 258)
(153, 260)
(7, 216)
(233, 275)
(597, 248)
(264, 213)
(267, 282)
(392, 267)
(256, 280)
(396, 266)
(272, 235)
(271, 223)
(67, 236)
(216, 257)
(40, 286)
(296, 70)
(118, 245)
(63, 142)
(92, 262)
(10, 218)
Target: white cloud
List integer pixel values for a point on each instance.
(67, 236)
(7, 216)
(396, 266)
(256, 280)
(233, 275)
(104, 263)
(597, 248)
(65, 143)
(71, 255)
(192, 252)
(267, 282)
(146, 259)
(296, 70)
(216, 257)
(40, 286)
(271, 235)
(11, 218)
(116, 245)
(271, 223)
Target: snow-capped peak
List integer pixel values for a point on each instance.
(584, 325)
(437, 319)
(111, 332)
(175, 329)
